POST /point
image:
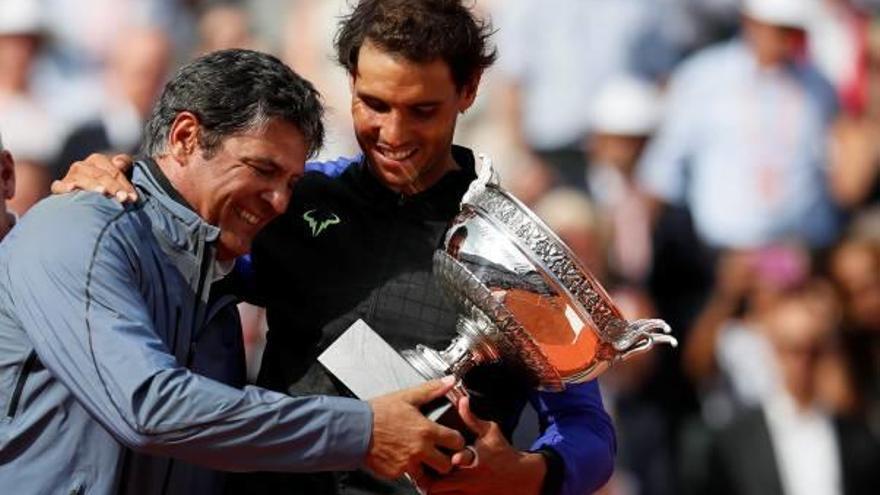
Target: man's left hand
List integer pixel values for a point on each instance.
(499, 469)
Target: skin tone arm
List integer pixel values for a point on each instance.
(855, 160)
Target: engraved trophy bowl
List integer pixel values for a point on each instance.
(522, 295)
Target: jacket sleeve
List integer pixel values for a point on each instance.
(580, 431)
(79, 303)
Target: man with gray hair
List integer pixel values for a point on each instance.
(121, 360)
(7, 189)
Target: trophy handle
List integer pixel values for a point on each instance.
(647, 333)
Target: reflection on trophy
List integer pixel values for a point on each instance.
(522, 297)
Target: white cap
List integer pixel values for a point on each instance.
(787, 13)
(627, 106)
(20, 17)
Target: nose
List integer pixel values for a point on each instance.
(278, 198)
(393, 130)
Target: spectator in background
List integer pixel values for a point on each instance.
(854, 267)
(7, 189)
(727, 355)
(742, 140)
(83, 35)
(791, 445)
(306, 44)
(844, 50)
(549, 77)
(27, 127)
(225, 25)
(136, 72)
(623, 118)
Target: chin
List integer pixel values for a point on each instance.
(231, 249)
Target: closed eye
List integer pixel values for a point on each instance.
(375, 104)
(424, 111)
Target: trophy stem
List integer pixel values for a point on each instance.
(472, 346)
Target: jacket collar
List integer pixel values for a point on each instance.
(149, 178)
(440, 201)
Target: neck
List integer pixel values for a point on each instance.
(430, 177)
(180, 181)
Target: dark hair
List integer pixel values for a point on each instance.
(231, 91)
(421, 31)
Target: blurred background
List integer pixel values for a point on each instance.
(713, 162)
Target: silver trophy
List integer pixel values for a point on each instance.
(523, 296)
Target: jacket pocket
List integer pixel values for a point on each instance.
(20, 380)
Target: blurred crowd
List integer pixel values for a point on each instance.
(715, 163)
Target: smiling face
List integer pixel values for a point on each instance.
(404, 117)
(245, 182)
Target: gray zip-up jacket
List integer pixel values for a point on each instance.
(106, 319)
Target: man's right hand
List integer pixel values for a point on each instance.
(101, 174)
(404, 439)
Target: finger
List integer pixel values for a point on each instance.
(59, 187)
(464, 457)
(473, 423)
(447, 438)
(109, 187)
(122, 162)
(437, 461)
(426, 392)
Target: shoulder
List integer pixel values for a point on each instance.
(68, 229)
(332, 168)
(820, 89)
(704, 65)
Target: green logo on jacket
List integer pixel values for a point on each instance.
(317, 225)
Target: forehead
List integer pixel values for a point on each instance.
(384, 74)
(279, 142)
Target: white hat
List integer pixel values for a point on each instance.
(787, 13)
(627, 106)
(20, 17)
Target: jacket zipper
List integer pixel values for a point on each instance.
(203, 275)
(26, 368)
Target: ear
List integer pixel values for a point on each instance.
(7, 174)
(183, 138)
(468, 94)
